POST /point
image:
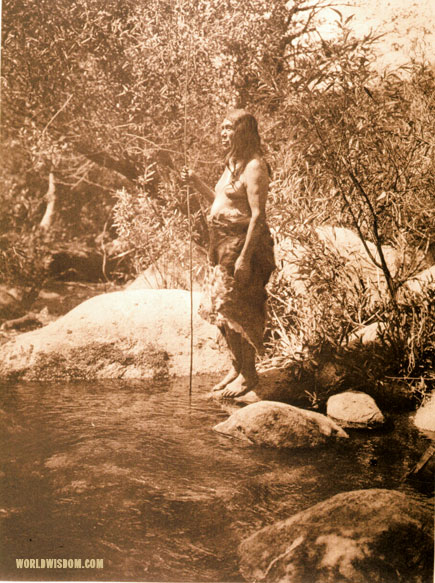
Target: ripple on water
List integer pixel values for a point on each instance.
(133, 473)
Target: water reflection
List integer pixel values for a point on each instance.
(131, 472)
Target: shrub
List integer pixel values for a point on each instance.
(24, 260)
(157, 225)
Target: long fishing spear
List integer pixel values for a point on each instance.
(189, 218)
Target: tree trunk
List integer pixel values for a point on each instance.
(50, 196)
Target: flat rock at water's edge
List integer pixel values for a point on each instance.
(354, 409)
(125, 334)
(275, 424)
(364, 536)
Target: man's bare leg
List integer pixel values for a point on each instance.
(234, 344)
(247, 379)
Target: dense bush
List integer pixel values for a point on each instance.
(315, 317)
(360, 154)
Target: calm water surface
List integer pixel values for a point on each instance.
(133, 473)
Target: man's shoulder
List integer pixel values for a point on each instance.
(256, 165)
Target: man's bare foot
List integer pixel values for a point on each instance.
(233, 374)
(240, 386)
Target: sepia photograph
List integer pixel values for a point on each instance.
(217, 291)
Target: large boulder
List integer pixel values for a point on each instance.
(422, 281)
(365, 536)
(367, 335)
(275, 424)
(293, 384)
(422, 475)
(169, 272)
(354, 409)
(425, 417)
(126, 334)
(419, 284)
(348, 246)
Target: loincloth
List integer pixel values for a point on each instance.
(224, 301)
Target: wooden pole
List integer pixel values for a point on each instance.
(189, 219)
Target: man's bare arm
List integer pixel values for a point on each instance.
(257, 186)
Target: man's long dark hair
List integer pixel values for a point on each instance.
(246, 142)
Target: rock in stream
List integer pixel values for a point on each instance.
(364, 536)
(275, 424)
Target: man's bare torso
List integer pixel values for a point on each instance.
(230, 196)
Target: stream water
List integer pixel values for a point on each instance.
(132, 473)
